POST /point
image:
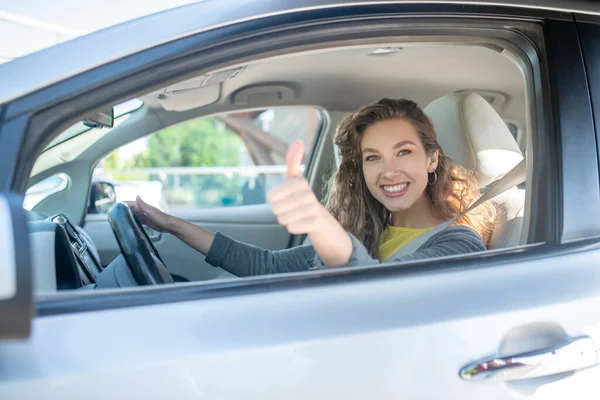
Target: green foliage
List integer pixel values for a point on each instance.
(200, 143)
(111, 161)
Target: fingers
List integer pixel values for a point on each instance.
(140, 203)
(294, 204)
(296, 207)
(150, 215)
(144, 208)
(138, 208)
(293, 159)
(288, 188)
(302, 198)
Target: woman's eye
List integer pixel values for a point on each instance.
(371, 158)
(404, 152)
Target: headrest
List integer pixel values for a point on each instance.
(473, 134)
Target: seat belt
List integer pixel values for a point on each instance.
(513, 178)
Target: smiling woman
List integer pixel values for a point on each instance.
(394, 173)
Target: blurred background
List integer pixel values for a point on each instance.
(28, 26)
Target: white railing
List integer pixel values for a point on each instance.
(248, 171)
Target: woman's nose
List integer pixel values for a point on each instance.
(390, 169)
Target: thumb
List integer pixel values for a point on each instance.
(293, 159)
(140, 204)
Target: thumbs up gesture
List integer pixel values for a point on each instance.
(294, 203)
(293, 159)
(299, 210)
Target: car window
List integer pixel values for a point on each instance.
(45, 188)
(229, 160)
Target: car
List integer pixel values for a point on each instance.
(198, 104)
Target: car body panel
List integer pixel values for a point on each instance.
(394, 335)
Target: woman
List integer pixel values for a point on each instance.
(393, 184)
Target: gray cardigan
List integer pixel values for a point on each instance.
(243, 259)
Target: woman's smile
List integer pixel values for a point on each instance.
(396, 189)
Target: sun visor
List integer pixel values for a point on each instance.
(189, 99)
(196, 92)
(263, 94)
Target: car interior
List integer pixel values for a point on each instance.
(476, 95)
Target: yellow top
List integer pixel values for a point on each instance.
(394, 237)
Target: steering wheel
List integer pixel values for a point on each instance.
(145, 264)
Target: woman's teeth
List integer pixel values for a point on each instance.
(395, 188)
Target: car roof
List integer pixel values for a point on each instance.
(86, 52)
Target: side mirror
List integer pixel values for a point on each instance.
(104, 119)
(16, 304)
(102, 197)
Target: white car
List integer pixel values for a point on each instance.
(94, 309)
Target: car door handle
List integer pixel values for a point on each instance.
(576, 354)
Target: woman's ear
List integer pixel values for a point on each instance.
(432, 162)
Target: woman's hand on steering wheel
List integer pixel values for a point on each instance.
(150, 215)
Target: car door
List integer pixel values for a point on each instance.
(466, 327)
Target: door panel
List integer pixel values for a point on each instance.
(251, 224)
(395, 335)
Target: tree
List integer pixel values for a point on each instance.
(197, 143)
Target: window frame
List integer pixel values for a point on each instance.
(548, 178)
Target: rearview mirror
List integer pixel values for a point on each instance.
(15, 269)
(104, 119)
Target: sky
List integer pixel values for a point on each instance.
(72, 17)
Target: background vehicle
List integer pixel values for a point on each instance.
(373, 332)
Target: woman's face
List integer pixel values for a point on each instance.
(395, 164)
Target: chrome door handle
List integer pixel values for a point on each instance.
(576, 354)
